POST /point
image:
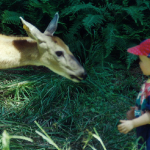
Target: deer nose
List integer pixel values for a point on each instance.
(83, 75)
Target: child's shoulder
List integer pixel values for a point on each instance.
(147, 87)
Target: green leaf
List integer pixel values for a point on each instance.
(91, 20)
(11, 17)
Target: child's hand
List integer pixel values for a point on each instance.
(130, 113)
(125, 126)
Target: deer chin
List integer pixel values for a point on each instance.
(78, 77)
(72, 78)
(75, 78)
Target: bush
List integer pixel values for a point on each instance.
(101, 30)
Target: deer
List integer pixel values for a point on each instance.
(40, 49)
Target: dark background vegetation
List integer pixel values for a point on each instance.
(98, 33)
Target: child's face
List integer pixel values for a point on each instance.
(145, 64)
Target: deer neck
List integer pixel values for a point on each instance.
(16, 52)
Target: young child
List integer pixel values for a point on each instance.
(139, 116)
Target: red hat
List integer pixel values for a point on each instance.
(142, 49)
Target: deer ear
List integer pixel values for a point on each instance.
(32, 31)
(50, 30)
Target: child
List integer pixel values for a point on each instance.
(139, 116)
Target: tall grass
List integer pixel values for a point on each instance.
(74, 116)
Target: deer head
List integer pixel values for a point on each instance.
(53, 52)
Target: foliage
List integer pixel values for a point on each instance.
(67, 112)
(98, 33)
(99, 28)
(6, 139)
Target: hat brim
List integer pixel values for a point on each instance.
(135, 50)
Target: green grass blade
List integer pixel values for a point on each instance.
(46, 137)
(98, 138)
(92, 147)
(21, 137)
(5, 140)
(49, 140)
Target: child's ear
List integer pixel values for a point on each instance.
(148, 60)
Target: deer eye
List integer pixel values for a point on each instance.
(59, 53)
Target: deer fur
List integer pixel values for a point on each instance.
(40, 49)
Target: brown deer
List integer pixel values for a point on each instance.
(40, 49)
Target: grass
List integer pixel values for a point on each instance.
(69, 116)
